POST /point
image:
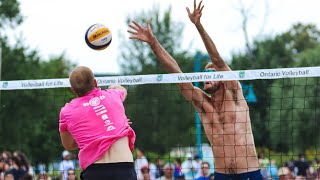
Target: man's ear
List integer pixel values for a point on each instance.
(95, 83)
(72, 90)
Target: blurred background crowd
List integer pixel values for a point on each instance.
(16, 166)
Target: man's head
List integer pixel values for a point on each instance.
(197, 157)
(189, 156)
(283, 173)
(71, 174)
(8, 176)
(205, 167)
(301, 157)
(211, 87)
(140, 152)
(168, 170)
(82, 80)
(66, 155)
(177, 161)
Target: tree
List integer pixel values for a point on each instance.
(280, 51)
(161, 117)
(29, 118)
(9, 13)
(294, 108)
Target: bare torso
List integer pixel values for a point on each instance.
(118, 152)
(228, 128)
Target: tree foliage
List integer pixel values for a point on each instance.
(10, 13)
(284, 104)
(161, 117)
(29, 118)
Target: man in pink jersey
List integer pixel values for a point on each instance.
(95, 122)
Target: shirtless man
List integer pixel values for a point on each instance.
(223, 110)
(96, 123)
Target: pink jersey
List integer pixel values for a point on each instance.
(96, 121)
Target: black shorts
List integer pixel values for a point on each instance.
(112, 171)
(254, 175)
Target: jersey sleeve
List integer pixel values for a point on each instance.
(62, 123)
(118, 93)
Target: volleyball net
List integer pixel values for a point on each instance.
(284, 108)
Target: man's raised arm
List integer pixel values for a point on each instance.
(146, 35)
(194, 17)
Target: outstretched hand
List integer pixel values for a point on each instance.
(141, 33)
(197, 12)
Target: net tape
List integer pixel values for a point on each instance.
(170, 78)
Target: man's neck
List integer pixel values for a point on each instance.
(217, 97)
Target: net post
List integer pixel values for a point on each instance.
(197, 68)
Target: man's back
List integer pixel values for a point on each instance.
(96, 121)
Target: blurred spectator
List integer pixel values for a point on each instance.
(301, 167)
(180, 177)
(198, 164)
(140, 162)
(315, 169)
(72, 174)
(300, 178)
(272, 170)
(18, 169)
(189, 167)
(211, 176)
(205, 168)
(145, 171)
(8, 176)
(177, 168)
(6, 155)
(284, 173)
(264, 162)
(43, 176)
(65, 165)
(26, 177)
(152, 169)
(159, 164)
(39, 168)
(168, 172)
(2, 163)
(25, 164)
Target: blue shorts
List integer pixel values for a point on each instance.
(254, 175)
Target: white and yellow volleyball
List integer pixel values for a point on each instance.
(98, 37)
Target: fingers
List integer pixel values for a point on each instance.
(148, 25)
(188, 10)
(194, 4)
(137, 24)
(201, 9)
(199, 5)
(132, 32)
(133, 27)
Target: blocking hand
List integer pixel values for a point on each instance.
(197, 12)
(141, 33)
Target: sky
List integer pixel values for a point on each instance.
(58, 26)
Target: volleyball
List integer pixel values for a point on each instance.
(98, 37)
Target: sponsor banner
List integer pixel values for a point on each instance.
(170, 78)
